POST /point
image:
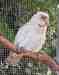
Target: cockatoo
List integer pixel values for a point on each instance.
(32, 35)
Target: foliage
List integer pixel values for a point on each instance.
(8, 33)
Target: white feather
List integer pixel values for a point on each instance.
(31, 36)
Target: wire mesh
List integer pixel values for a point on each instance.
(13, 14)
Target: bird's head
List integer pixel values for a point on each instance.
(41, 19)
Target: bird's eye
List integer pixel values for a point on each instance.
(43, 17)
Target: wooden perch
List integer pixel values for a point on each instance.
(38, 56)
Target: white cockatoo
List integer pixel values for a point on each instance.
(32, 35)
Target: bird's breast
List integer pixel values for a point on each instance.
(33, 41)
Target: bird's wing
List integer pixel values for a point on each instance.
(21, 36)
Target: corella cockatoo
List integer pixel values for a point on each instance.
(32, 35)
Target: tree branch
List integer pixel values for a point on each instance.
(38, 56)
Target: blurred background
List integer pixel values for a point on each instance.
(13, 15)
